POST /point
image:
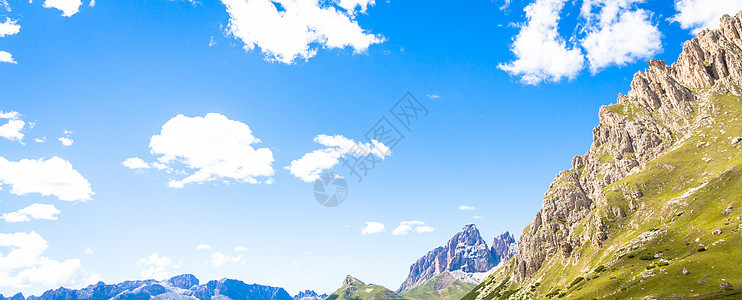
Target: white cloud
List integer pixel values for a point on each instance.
(9, 27)
(13, 129)
(478, 217)
(697, 15)
(622, 34)
(542, 54)
(372, 227)
(155, 266)
(207, 149)
(36, 211)
(240, 249)
(68, 7)
(609, 32)
(7, 58)
(299, 27)
(54, 176)
(136, 163)
(24, 265)
(433, 96)
(88, 251)
(464, 207)
(219, 259)
(406, 226)
(92, 3)
(40, 140)
(203, 247)
(66, 141)
(309, 167)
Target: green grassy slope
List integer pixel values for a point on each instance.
(354, 289)
(442, 286)
(683, 222)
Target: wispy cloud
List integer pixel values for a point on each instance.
(406, 226)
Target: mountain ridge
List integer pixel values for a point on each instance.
(617, 212)
(185, 286)
(466, 256)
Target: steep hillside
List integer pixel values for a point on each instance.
(653, 208)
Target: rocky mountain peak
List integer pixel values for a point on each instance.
(184, 281)
(466, 251)
(504, 247)
(645, 124)
(309, 295)
(350, 280)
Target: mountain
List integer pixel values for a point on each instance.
(504, 247)
(466, 257)
(652, 210)
(354, 289)
(179, 287)
(309, 295)
(442, 286)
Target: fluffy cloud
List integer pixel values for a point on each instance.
(697, 15)
(13, 129)
(7, 58)
(34, 211)
(135, 163)
(240, 248)
(464, 207)
(622, 34)
(372, 227)
(309, 167)
(203, 247)
(609, 32)
(155, 266)
(406, 226)
(68, 7)
(211, 148)
(542, 54)
(9, 27)
(24, 265)
(54, 176)
(66, 141)
(219, 259)
(289, 29)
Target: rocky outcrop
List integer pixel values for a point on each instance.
(309, 295)
(644, 124)
(466, 252)
(179, 287)
(504, 247)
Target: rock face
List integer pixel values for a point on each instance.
(309, 295)
(466, 252)
(504, 247)
(642, 126)
(184, 286)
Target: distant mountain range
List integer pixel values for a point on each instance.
(446, 272)
(184, 286)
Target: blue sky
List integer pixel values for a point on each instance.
(503, 120)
